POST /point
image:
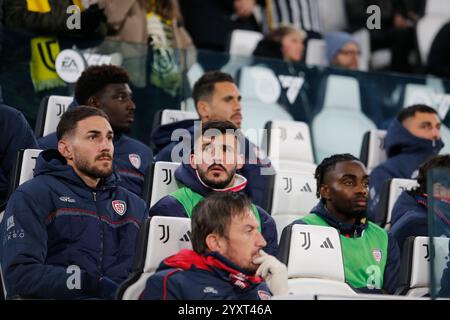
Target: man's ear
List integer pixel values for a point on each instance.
(203, 110)
(93, 102)
(214, 243)
(192, 161)
(324, 192)
(65, 149)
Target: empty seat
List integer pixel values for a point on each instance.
(159, 238)
(23, 167)
(427, 29)
(390, 191)
(372, 149)
(50, 111)
(316, 53)
(292, 196)
(416, 263)
(313, 255)
(340, 125)
(244, 42)
(260, 90)
(159, 181)
(288, 145)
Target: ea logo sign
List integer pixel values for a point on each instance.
(69, 65)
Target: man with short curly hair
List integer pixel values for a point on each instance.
(106, 87)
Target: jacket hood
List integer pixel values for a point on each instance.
(399, 140)
(189, 177)
(162, 135)
(212, 262)
(406, 202)
(52, 163)
(352, 230)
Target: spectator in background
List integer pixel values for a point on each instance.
(70, 232)
(396, 32)
(106, 87)
(342, 50)
(410, 140)
(217, 97)
(410, 212)
(371, 256)
(227, 257)
(439, 56)
(15, 134)
(212, 165)
(285, 42)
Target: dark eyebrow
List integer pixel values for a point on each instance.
(93, 131)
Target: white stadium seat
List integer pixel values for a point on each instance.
(160, 181)
(50, 111)
(372, 149)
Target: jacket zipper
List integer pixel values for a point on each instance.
(100, 264)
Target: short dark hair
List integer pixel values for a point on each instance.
(204, 86)
(222, 127)
(436, 161)
(213, 214)
(329, 163)
(411, 111)
(70, 119)
(95, 78)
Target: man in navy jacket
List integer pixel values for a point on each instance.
(217, 97)
(106, 87)
(410, 212)
(410, 140)
(70, 232)
(212, 167)
(226, 261)
(15, 134)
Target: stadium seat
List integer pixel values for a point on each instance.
(288, 145)
(340, 125)
(244, 42)
(390, 191)
(437, 7)
(260, 90)
(416, 263)
(50, 111)
(159, 181)
(166, 116)
(2, 286)
(292, 196)
(314, 259)
(159, 238)
(316, 53)
(23, 167)
(372, 149)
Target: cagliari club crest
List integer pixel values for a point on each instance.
(377, 255)
(135, 160)
(119, 206)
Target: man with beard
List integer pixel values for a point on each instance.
(212, 167)
(106, 87)
(70, 232)
(371, 256)
(217, 98)
(227, 260)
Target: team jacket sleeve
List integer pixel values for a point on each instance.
(392, 270)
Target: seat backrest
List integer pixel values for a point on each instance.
(437, 7)
(244, 42)
(50, 111)
(312, 252)
(316, 53)
(159, 181)
(427, 29)
(2, 286)
(164, 236)
(288, 141)
(389, 194)
(23, 167)
(333, 16)
(416, 264)
(372, 149)
(167, 116)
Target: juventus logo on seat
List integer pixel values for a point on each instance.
(427, 256)
(165, 233)
(61, 109)
(306, 240)
(186, 237)
(173, 119)
(327, 244)
(34, 158)
(288, 186)
(299, 136)
(306, 188)
(283, 134)
(167, 176)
